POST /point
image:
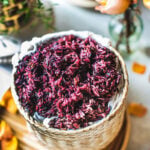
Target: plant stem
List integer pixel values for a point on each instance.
(127, 17)
(128, 20)
(119, 40)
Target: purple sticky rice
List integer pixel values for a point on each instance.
(68, 79)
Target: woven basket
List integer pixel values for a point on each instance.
(94, 137)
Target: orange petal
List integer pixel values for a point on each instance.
(138, 68)
(5, 98)
(113, 7)
(134, 1)
(7, 95)
(102, 2)
(8, 102)
(10, 144)
(11, 106)
(137, 109)
(5, 131)
(146, 3)
(99, 8)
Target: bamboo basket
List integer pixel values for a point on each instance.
(94, 137)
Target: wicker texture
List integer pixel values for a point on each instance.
(94, 137)
(14, 15)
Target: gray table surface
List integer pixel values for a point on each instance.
(71, 17)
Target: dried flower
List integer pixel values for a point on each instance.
(138, 68)
(137, 109)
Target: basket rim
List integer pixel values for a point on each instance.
(26, 46)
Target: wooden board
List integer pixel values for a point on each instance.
(27, 141)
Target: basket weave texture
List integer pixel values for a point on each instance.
(14, 15)
(94, 137)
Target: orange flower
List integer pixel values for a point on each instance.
(8, 102)
(137, 109)
(112, 6)
(138, 68)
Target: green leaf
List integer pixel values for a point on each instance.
(39, 4)
(5, 2)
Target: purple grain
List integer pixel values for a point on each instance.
(68, 77)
